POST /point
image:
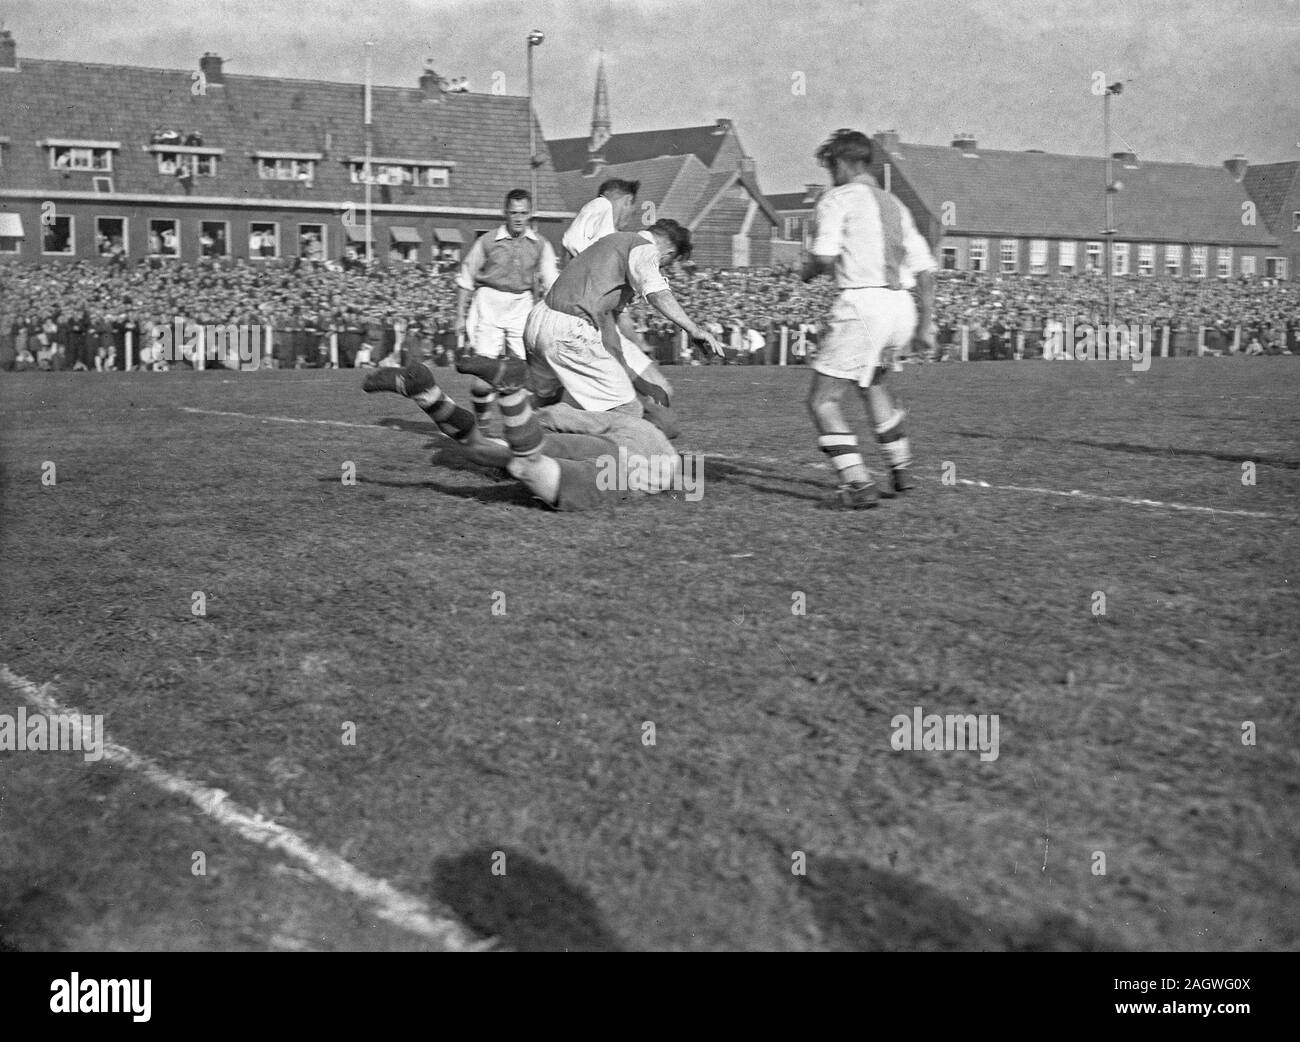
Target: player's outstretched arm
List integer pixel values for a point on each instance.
(666, 304)
(925, 287)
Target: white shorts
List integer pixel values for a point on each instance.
(567, 351)
(495, 323)
(864, 327)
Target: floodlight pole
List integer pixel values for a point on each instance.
(1109, 230)
(535, 39)
(369, 244)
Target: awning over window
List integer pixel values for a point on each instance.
(11, 226)
(405, 235)
(449, 235)
(357, 232)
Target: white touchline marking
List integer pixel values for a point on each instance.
(390, 904)
(284, 419)
(1074, 494)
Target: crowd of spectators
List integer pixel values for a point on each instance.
(78, 316)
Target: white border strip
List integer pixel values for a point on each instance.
(389, 903)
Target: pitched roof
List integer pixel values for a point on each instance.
(791, 201)
(701, 142)
(485, 135)
(1042, 194)
(1269, 185)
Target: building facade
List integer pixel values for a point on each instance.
(101, 160)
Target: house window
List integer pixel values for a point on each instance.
(950, 258)
(311, 242)
(979, 251)
(11, 232)
(437, 177)
(1200, 260)
(56, 235)
(1066, 259)
(1248, 264)
(174, 164)
(794, 229)
(389, 172)
(73, 157)
(214, 239)
(272, 168)
(1275, 267)
(1223, 262)
(1173, 260)
(263, 240)
(164, 238)
(1009, 255)
(111, 237)
(1147, 259)
(1093, 255)
(1038, 256)
(1119, 258)
(1295, 220)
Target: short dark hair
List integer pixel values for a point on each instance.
(617, 184)
(515, 194)
(851, 146)
(672, 231)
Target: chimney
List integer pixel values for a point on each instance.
(1236, 167)
(431, 84)
(1128, 159)
(210, 66)
(887, 141)
(811, 192)
(8, 50)
(966, 142)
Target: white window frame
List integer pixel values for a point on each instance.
(1094, 250)
(978, 251)
(1174, 261)
(1119, 258)
(1147, 259)
(226, 255)
(407, 173)
(176, 227)
(1248, 264)
(87, 154)
(279, 251)
(1200, 260)
(1295, 220)
(71, 251)
(1038, 253)
(171, 163)
(1009, 266)
(1070, 248)
(18, 245)
(323, 228)
(1223, 262)
(286, 168)
(1279, 266)
(126, 233)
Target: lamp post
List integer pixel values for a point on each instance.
(535, 39)
(1109, 230)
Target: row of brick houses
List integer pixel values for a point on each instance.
(988, 210)
(98, 160)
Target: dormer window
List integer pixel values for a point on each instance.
(69, 154)
(186, 161)
(287, 166)
(413, 173)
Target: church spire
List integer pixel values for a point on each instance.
(600, 126)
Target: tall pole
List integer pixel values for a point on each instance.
(534, 39)
(366, 169)
(1110, 209)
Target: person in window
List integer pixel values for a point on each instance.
(169, 242)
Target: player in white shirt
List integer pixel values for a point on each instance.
(867, 239)
(602, 216)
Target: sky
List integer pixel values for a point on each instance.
(1204, 79)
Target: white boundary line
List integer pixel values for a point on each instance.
(389, 903)
(1130, 501)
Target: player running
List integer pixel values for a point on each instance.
(868, 240)
(505, 271)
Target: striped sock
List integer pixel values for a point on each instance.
(842, 448)
(523, 432)
(451, 419)
(482, 402)
(893, 441)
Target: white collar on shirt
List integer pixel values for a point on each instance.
(648, 236)
(504, 233)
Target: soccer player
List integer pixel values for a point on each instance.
(602, 215)
(868, 240)
(505, 271)
(572, 338)
(564, 456)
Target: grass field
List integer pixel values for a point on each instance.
(517, 735)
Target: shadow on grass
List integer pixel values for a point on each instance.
(871, 909)
(764, 479)
(531, 908)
